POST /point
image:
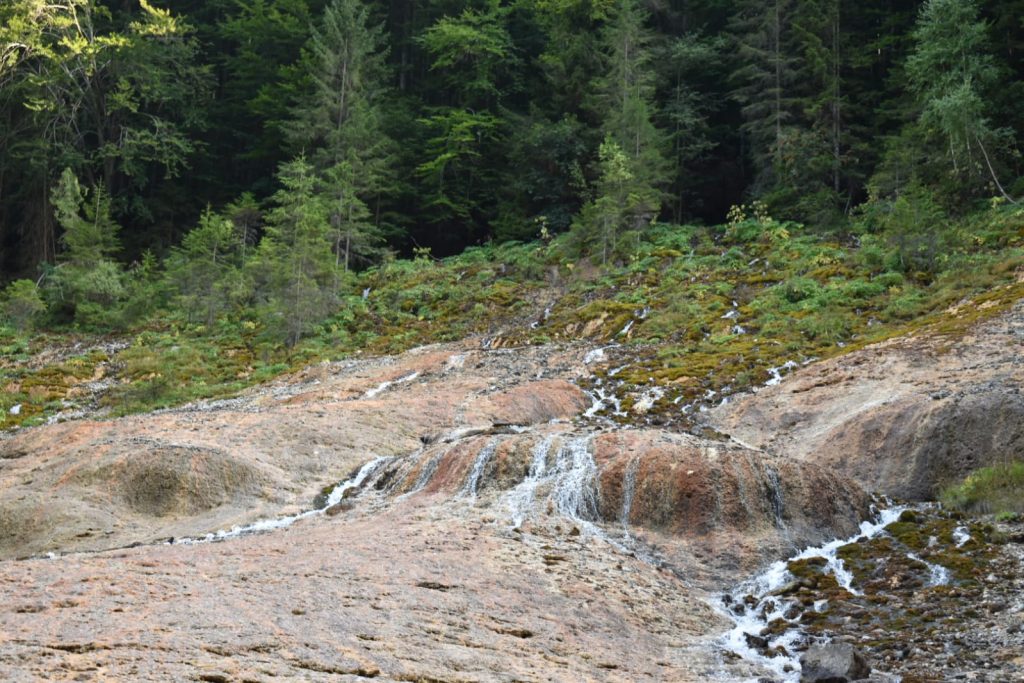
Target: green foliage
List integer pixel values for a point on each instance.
(998, 489)
(87, 284)
(22, 304)
(623, 207)
(205, 269)
(298, 279)
(950, 71)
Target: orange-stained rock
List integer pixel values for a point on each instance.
(903, 417)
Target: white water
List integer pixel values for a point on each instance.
(476, 474)
(776, 373)
(568, 485)
(768, 608)
(384, 386)
(597, 355)
(625, 330)
(335, 497)
(520, 499)
(575, 489)
(602, 400)
(647, 399)
(937, 574)
(961, 536)
(628, 491)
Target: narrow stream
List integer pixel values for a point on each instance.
(755, 603)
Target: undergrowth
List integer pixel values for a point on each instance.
(700, 311)
(997, 490)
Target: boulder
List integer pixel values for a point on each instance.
(833, 663)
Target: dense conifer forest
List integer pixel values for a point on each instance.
(250, 170)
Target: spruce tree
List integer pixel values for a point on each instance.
(295, 264)
(87, 284)
(627, 100)
(764, 80)
(339, 125)
(204, 269)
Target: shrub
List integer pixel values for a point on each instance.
(22, 304)
(991, 490)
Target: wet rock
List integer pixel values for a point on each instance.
(901, 417)
(756, 642)
(833, 663)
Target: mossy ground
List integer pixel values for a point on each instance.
(900, 608)
(707, 310)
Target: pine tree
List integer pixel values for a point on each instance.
(628, 95)
(295, 263)
(339, 125)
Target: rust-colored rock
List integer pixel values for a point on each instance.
(903, 417)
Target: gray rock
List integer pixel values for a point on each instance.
(833, 663)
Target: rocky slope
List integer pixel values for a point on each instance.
(497, 536)
(452, 514)
(903, 417)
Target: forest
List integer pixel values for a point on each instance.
(248, 158)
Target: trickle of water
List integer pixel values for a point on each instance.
(476, 474)
(961, 536)
(335, 497)
(339, 491)
(625, 330)
(775, 495)
(384, 386)
(776, 373)
(425, 474)
(628, 491)
(937, 574)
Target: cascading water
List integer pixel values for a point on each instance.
(476, 474)
(767, 605)
(575, 492)
(570, 484)
(336, 496)
(520, 499)
(628, 491)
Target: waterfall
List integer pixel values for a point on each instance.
(476, 474)
(628, 490)
(571, 483)
(575, 492)
(519, 499)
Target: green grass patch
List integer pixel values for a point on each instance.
(997, 490)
